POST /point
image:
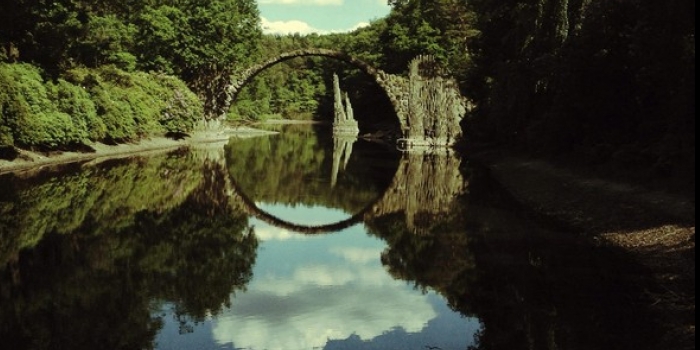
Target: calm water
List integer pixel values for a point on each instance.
(296, 241)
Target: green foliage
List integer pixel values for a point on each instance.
(157, 39)
(607, 81)
(29, 116)
(133, 105)
(119, 237)
(182, 109)
(107, 40)
(91, 104)
(77, 103)
(440, 28)
(200, 42)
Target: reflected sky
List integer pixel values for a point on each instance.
(329, 291)
(301, 215)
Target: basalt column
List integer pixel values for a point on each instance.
(344, 122)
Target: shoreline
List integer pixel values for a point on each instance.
(31, 161)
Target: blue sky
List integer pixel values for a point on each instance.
(318, 16)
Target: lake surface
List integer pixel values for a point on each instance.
(297, 241)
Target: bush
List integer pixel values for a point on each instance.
(104, 104)
(180, 109)
(135, 105)
(29, 116)
(76, 102)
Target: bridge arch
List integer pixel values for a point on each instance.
(251, 208)
(424, 185)
(395, 87)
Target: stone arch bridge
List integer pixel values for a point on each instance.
(428, 105)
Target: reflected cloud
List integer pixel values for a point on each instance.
(304, 215)
(268, 233)
(357, 255)
(323, 276)
(311, 316)
(320, 276)
(315, 302)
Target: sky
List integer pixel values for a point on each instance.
(318, 16)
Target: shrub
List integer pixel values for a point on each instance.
(135, 105)
(75, 101)
(104, 104)
(29, 116)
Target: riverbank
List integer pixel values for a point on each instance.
(654, 228)
(28, 160)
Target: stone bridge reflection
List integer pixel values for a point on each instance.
(423, 188)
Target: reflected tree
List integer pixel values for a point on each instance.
(205, 250)
(77, 289)
(295, 167)
(531, 287)
(424, 228)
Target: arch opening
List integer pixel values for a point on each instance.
(390, 86)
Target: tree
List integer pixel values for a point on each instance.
(199, 41)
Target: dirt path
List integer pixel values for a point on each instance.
(656, 229)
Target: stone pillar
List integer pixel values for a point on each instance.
(342, 150)
(344, 122)
(339, 111)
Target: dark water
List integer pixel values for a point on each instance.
(297, 241)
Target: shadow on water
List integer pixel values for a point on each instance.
(531, 286)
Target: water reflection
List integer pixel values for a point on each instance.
(329, 288)
(91, 282)
(165, 252)
(296, 168)
(333, 291)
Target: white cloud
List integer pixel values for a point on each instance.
(287, 27)
(300, 27)
(302, 2)
(358, 26)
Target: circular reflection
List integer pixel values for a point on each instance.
(300, 167)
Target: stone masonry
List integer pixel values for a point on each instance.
(427, 104)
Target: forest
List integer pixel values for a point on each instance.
(599, 83)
